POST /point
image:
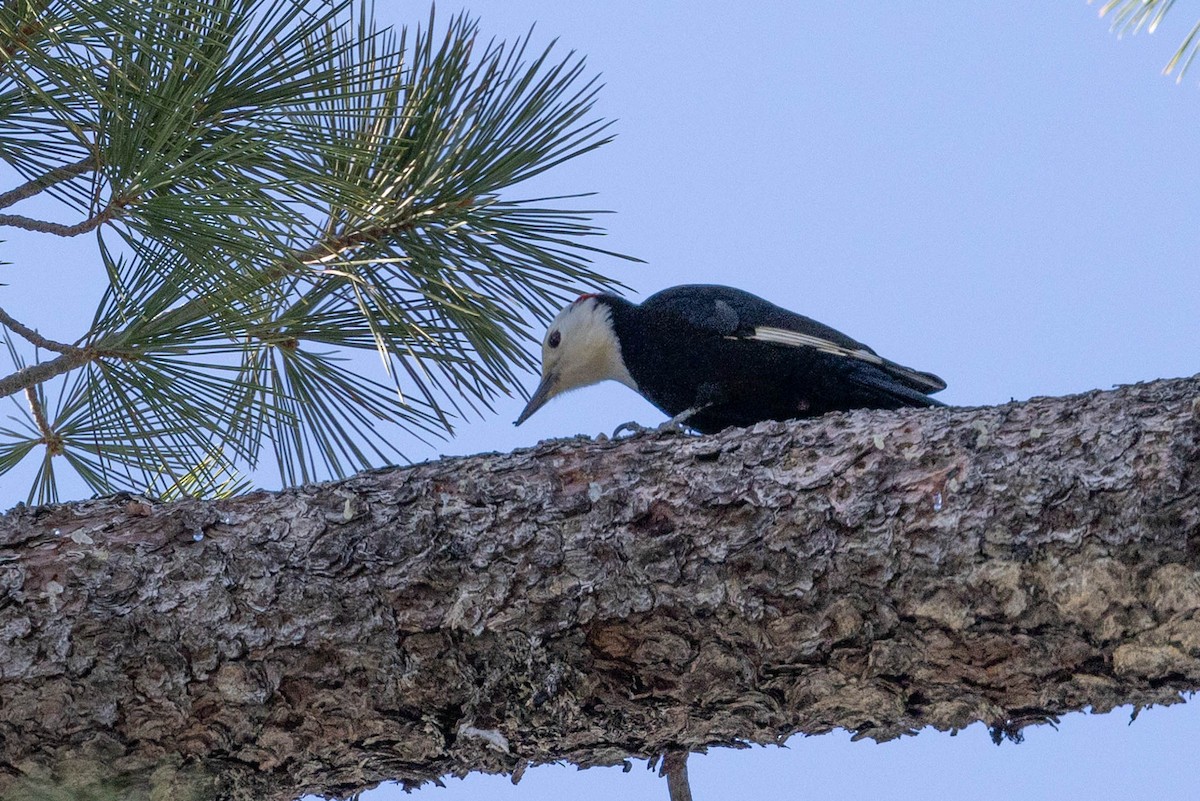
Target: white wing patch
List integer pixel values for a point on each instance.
(782, 336)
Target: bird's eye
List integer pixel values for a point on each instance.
(554, 339)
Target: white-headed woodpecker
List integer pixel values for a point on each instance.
(712, 357)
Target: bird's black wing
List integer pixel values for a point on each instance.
(733, 312)
(706, 309)
(736, 314)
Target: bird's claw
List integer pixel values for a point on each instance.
(632, 428)
(672, 426)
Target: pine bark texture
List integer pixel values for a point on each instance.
(593, 600)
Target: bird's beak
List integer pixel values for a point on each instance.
(543, 393)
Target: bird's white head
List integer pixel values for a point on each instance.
(580, 349)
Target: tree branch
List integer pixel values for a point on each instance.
(330, 248)
(32, 336)
(41, 372)
(43, 182)
(595, 600)
(45, 227)
(674, 767)
(73, 357)
(50, 438)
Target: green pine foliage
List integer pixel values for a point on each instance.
(1132, 16)
(274, 186)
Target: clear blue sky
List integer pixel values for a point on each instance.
(1002, 193)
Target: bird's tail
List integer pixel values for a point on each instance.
(901, 385)
(926, 383)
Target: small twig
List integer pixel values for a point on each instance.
(27, 333)
(329, 249)
(39, 184)
(45, 227)
(54, 443)
(674, 767)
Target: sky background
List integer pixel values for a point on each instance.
(1004, 194)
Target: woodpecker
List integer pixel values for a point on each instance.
(711, 357)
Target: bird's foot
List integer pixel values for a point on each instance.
(676, 425)
(632, 428)
(673, 426)
(679, 423)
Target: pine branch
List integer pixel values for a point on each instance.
(229, 305)
(49, 179)
(33, 337)
(58, 229)
(191, 312)
(40, 373)
(50, 439)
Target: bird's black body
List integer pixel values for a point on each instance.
(708, 348)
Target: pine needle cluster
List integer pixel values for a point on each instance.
(273, 187)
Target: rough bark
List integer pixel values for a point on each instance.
(590, 600)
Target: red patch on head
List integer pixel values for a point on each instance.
(584, 297)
